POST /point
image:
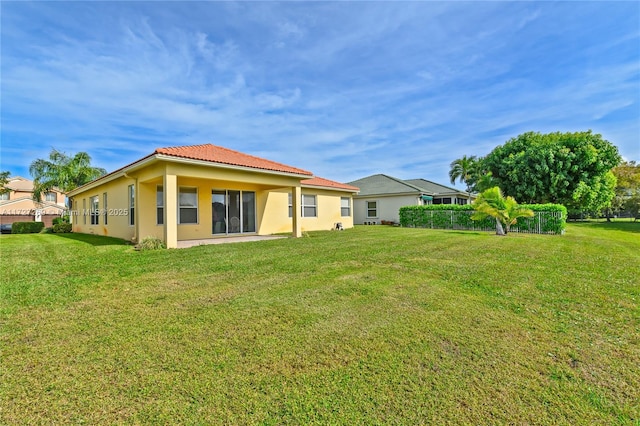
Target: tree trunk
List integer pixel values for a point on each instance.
(499, 229)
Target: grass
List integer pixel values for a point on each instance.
(374, 325)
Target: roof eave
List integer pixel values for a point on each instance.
(393, 194)
(206, 163)
(330, 188)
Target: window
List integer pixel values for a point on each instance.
(442, 200)
(345, 206)
(95, 209)
(51, 197)
(309, 206)
(104, 207)
(372, 209)
(4, 196)
(461, 201)
(84, 211)
(132, 204)
(160, 205)
(188, 205)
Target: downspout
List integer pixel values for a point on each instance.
(135, 207)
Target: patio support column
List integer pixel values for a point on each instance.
(171, 211)
(296, 200)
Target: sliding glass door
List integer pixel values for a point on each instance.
(248, 211)
(233, 211)
(219, 211)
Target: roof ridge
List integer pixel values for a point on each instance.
(404, 182)
(186, 151)
(439, 184)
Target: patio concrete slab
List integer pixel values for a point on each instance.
(226, 240)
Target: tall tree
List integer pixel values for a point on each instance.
(506, 211)
(463, 169)
(627, 188)
(63, 172)
(573, 169)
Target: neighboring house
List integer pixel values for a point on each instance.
(207, 191)
(381, 197)
(18, 205)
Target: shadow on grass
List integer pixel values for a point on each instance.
(94, 240)
(469, 232)
(617, 225)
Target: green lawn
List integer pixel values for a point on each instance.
(374, 325)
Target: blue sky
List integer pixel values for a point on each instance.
(343, 89)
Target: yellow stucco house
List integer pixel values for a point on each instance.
(207, 191)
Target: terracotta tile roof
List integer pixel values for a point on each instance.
(218, 154)
(318, 181)
(21, 184)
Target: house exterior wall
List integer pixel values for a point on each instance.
(117, 211)
(328, 211)
(388, 208)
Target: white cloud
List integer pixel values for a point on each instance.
(370, 87)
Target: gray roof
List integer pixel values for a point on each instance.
(433, 187)
(384, 185)
(381, 184)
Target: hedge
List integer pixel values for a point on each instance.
(27, 227)
(547, 219)
(62, 228)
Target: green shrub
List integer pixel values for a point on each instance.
(61, 219)
(62, 228)
(548, 218)
(27, 227)
(151, 243)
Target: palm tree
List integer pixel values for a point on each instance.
(506, 211)
(4, 180)
(63, 172)
(463, 169)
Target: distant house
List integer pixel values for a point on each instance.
(18, 205)
(381, 197)
(207, 191)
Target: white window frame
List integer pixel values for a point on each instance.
(104, 207)
(181, 207)
(50, 194)
(347, 207)
(159, 204)
(304, 206)
(4, 196)
(94, 210)
(131, 194)
(369, 209)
